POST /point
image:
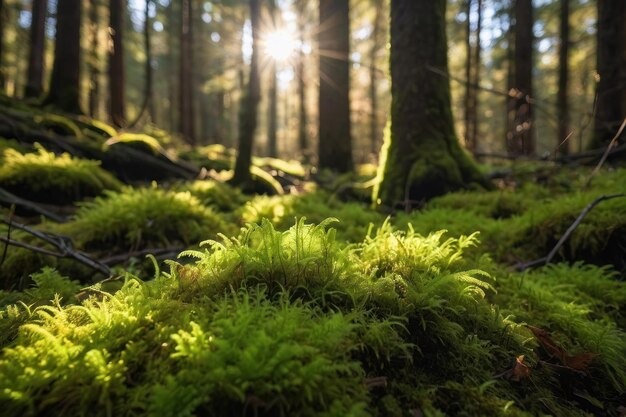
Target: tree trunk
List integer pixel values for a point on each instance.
(65, 80)
(117, 89)
(335, 144)
(476, 79)
(186, 115)
(610, 91)
(373, 90)
(34, 83)
(300, 74)
(148, 100)
(562, 97)
(249, 106)
(521, 137)
(272, 115)
(469, 90)
(2, 77)
(422, 157)
(93, 62)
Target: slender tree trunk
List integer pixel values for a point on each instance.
(373, 87)
(93, 62)
(2, 76)
(34, 82)
(65, 80)
(272, 115)
(610, 91)
(335, 143)
(469, 90)
(249, 106)
(148, 101)
(117, 88)
(422, 157)
(522, 142)
(300, 74)
(562, 97)
(476, 79)
(187, 127)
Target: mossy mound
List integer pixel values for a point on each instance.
(214, 194)
(294, 323)
(142, 217)
(45, 177)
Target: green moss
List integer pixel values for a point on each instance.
(142, 217)
(215, 194)
(46, 177)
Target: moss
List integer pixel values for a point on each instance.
(140, 141)
(46, 177)
(214, 194)
(145, 217)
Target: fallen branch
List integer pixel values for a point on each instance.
(116, 259)
(9, 198)
(606, 153)
(62, 243)
(568, 233)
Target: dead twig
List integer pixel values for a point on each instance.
(9, 198)
(606, 153)
(123, 257)
(568, 233)
(62, 243)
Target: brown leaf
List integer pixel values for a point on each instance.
(579, 362)
(547, 343)
(520, 369)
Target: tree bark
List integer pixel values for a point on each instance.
(421, 157)
(476, 79)
(373, 87)
(186, 114)
(468, 76)
(610, 111)
(562, 97)
(65, 80)
(117, 88)
(335, 144)
(300, 74)
(2, 11)
(148, 101)
(272, 116)
(34, 82)
(521, 138)
(249, 106)
(93, 62)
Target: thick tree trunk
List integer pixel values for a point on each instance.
(92, 63)
(186, 114)
(117, 88)
(562, 97)
(610, 111)
(422, 157)
(272, 111)
(249, 106)
(469, 90)
(148, 101)
(65, 80)
(300, 74)
(373, 87)
(521, 138)
(34, 82)
(335, 144)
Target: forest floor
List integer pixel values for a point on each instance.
(138, 282)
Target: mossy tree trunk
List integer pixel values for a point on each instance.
(610, 106)
(117, 88)
(373, 87)
(34, 82)
(2, 11)
(64, 92)
(422, 157)
(94, 56)
(335, 144)
(249, 107)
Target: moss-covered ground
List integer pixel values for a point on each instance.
(305, 303)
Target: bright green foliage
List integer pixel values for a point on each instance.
(215, 194)
(142, 216)
(46, 177)
(295, 323)
(139, 140)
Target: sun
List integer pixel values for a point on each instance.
(279, 45)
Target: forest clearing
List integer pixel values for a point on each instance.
(203, 213)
